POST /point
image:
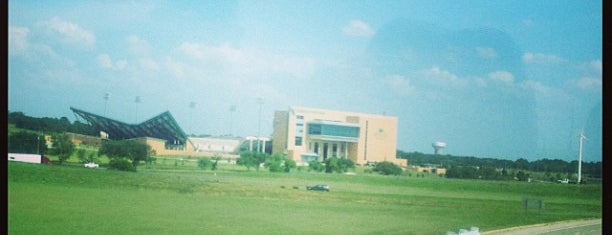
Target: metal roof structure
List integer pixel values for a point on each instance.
(162, 126)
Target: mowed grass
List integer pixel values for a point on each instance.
(74, 200)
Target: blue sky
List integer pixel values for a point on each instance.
(501, 79)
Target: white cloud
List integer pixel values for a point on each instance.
(149, 64)
(201, 51)
(503, 76)
(358, 28)
(401, 84)
(486, 52)
(443, 77)
(597, 66)
(480, 82)
(251, 62)
(138, 46)
(18, 38)
(539, 58)
(175, 68)
(535, 86)
(588, 83)
(105, 61)
(70, 32)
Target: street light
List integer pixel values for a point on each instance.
(259, 102)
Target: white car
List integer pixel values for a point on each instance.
(91, 165)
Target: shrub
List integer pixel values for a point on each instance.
(316, 166)
(204, 163)
(289, 164)
(388, 168)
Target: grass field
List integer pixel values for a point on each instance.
(179, 199)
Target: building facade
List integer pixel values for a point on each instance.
(307, 134)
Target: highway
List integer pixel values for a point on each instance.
(574, 227)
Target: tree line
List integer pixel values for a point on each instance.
(49, 125)
(593, 169)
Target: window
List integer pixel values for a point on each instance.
(298, 141)
(333, 130)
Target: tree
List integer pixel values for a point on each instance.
(346, 164)
(62, 147)
(387, 168)
(204, 163)
(338, 165)
(247, 159)
(521, 164)
(86, 156)
(522, 176)
(316, 166)
(26, 142)
(331, 165)
(215, 163)
(273, 163)
(289, 164)
(135, 151)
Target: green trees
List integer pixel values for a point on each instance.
(204, 163)
(26, 142)
(49, 124)
(119, 151)
(86, 156)
(62, 147)
(250, 159)
(338, 165)
(316, 166)
(289, 164)
(275, 163)
(387, 168)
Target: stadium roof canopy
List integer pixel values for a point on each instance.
(162, 126)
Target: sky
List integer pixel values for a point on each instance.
(494, 79)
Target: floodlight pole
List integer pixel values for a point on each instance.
(259, 102)
(106, 96)
(191, 105)
(137, 101)
(232, 110)
(582, 137)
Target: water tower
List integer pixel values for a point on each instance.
(438, 146)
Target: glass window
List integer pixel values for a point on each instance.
(333, 130)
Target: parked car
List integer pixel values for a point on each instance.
(319, 187)
(91, 165)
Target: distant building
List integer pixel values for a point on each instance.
(161, 132)
(307, 134)
(431, 169)
(216, 144)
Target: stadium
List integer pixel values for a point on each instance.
(162, 133)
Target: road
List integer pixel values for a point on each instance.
(574, 227)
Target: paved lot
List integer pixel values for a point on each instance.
(574, 227)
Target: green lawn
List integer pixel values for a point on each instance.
(181, 199)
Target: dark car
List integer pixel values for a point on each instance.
(319, 187)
